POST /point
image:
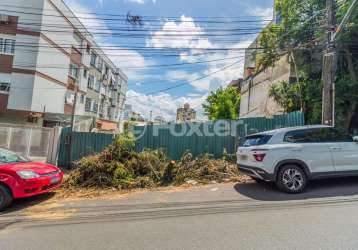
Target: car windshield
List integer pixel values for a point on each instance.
(7, 156)
(255, 140)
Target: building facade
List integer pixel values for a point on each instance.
(254, 88)
(47, 56)
(186, 114)
(255, 100)
(159, 120)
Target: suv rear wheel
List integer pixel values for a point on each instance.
(5, 197)
(291, 179)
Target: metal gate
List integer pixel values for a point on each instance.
(35, 143)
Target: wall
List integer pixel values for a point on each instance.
(48, 96)
(52, 61)
(255, 100)
(63, 33)
(26, 58)
(21, 91)
(36, 4)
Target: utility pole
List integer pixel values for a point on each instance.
(330, 60)
(69, 152)
(329, 67)
(73, 115)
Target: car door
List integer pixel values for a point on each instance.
(344, 151)
(307, 145)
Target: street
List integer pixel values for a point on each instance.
(218, 216)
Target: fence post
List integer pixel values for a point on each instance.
(53, 145)
(29, 144)
(9, 137)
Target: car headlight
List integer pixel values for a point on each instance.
(25, 174)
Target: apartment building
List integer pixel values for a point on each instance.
(47, 56)
(186, 114)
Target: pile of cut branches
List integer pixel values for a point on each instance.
(120, 167)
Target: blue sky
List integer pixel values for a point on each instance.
(187, 36)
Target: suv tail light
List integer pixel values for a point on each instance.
(259, 157)
(259, 154)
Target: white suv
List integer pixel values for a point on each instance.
(291, 157)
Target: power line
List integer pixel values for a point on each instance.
(125, 15)
(124, 19)
(197, 79)
(54, 66)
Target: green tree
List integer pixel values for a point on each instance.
(223, 104)
(286, 95)
(301, 35)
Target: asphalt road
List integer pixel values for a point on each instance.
(227, 216)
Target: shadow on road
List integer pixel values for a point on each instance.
(315, 189)
(22, 204)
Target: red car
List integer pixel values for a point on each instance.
(20, 177)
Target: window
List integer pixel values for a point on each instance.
(93, 59)
(255, 140)
(4, 87)
(10, 157)
(95, 107)
(88, 48)
(300, 136)
(331, 135)
(85, 73)
(82, 100)
(99, 65)
(7, 46)
(74, 70)
(97, 86)
(317, 135)
(90, 83)
(88, 105)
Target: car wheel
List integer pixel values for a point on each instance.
(5, 197)
(291, 179)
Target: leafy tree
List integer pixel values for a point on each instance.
(286, 95)
(223, 104)
(302, 29)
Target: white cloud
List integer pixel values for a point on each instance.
(264, 13)
(186, 34)
(163, 104)
(130, 61)
(180, 75)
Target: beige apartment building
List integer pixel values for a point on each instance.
(47, 55)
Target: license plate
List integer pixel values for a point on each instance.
(55, 179)
(243, 157)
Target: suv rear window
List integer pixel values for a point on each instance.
(255, 140)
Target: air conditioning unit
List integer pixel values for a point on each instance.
(4, 19)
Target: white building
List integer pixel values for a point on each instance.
(46, 55)
(127, 112)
